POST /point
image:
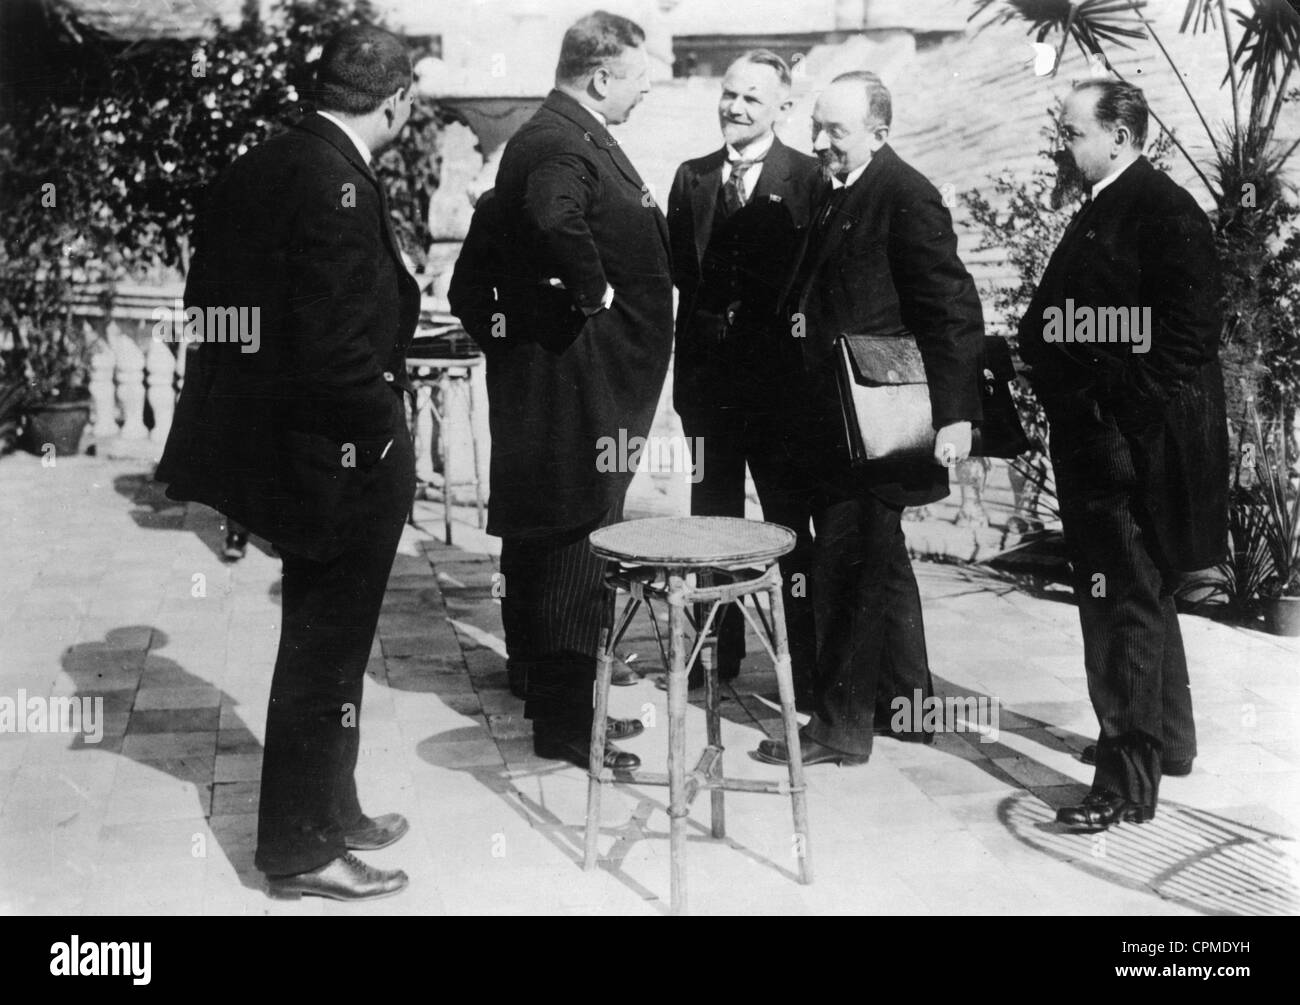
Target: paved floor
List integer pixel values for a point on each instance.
(109, 590)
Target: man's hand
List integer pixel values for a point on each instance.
(952, 444)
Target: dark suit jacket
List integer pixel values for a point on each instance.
(571, 207)
(299, 229)
(768, 232)
(476, 280)
(885, 263)
(1144, 242)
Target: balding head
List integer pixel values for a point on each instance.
(851, 121)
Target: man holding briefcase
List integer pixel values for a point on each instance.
(880, 259)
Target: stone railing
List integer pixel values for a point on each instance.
(129, 368)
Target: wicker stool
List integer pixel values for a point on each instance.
(653, 560)
(429, 373)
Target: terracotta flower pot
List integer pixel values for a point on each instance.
(60, 423)
(1282, 616)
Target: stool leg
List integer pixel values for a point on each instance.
(473, 441)
(444, 446)
(678, 809)
(712, 687)
(785, 685)
(600, 699)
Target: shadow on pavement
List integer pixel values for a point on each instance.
(1198, 859)
(152, 510)
(169, 720)
(568, 837)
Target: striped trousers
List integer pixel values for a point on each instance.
(552, 612)
(1132, 646)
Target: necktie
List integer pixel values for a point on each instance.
(733, 192)
(833, 201)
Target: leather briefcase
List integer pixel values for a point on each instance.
(885, 400)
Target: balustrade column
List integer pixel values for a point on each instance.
(130, 382)
(161, 389)
(103, 361)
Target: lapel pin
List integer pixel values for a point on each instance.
(774, 198)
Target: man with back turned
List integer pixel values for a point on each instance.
(304, 441)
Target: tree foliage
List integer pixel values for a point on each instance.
(129, 146)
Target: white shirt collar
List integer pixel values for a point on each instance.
(752, 173)
(1110, 178)
(351, 134)
(600, 116)
(853, 175)
(758, 148)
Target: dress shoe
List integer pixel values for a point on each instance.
(1101, 809)
(623, 729)
(371, 835)
(344, 878)
(776, 752)
(623, 675)
(577, 750)
(1173, 769)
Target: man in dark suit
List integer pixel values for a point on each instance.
(1122, 336)
(881, 259)
(304, 441)
(735, 220)
(576, 357)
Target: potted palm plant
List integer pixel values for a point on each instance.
(1279, 509)
(56, 367)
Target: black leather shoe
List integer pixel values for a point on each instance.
(623, 729)
(371, 835)
(623, 675)
(344, 878)
(577, 750)
(1173, 769)
(1100, 810)
(776, 752)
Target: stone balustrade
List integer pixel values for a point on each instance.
(130, 368)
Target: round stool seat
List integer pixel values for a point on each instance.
(692, 541)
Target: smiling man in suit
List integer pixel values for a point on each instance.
(735, 219)
(1138, 437)
(581, 278)
(304, 441)
(880, 258)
